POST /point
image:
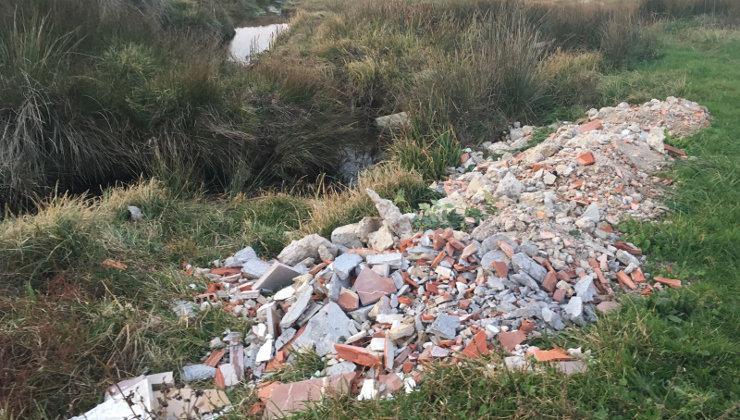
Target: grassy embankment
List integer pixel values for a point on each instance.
(96, 91)
(70, 327)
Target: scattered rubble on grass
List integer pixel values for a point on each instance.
(383, 298)
(157, 397)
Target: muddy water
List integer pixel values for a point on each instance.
(252, 40)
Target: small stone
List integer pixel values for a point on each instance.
(393, 122)
(344, 264)
(393, 259)
(656, 139)
(439, 352)
(298, 307)
(197, 372)
(135, 213)
(285, 337)
(585, 289)
(226, 375)
(347, 236)
(445, 326)
(592, 212)
(509, 186)
(255, 268)
(522, 262)
(402, 330)
(382, 239)
(626, 258)
(308, 247)
(552, 319)
(341, 368)
(329, 326)
(265, 352)
(574, 308)
(549, 179)
(607, 306)
(571, 366)
(284, 294)
(395, 220)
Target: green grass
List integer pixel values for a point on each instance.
(675, 354)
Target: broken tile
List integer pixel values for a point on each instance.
(276, 278)
(285, 398)
(509, 340)
(370, 286)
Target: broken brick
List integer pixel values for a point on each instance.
(509, 340)
(673, 283)
(586, 159)
(358, 355)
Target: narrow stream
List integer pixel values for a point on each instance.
(251, 40)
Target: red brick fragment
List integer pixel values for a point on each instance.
(295, 395)
(551, 280)
(438, 259)
(226, 271)
(673, 283)
(405, 300)
(501, 269)
(558, 295)
(674, 151)
(586, 159)
(638, 276)
(624, 246)
(477, 346)
(408, 280)
(464, 304)
(508, 249)
(215, 357)
(550, 355)
(407, 367)
(358, 355)
(510, 339)
(318, 268)
(591, 126)
(527, 326)
(625, 280)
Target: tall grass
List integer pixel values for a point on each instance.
(93, 92)
(98, 91)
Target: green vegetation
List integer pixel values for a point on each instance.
(96, 92)
(86, 100)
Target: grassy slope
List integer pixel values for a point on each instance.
(673, 355)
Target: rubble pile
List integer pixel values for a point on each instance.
(380, 299)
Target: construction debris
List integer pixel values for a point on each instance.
(387, 295)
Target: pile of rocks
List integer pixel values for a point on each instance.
(378, 299)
